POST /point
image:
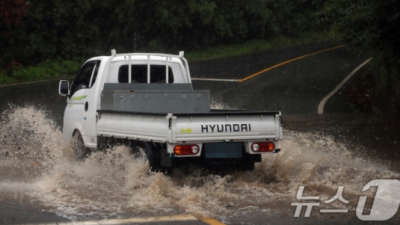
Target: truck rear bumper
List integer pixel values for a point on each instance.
(219, 156)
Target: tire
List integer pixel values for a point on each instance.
(78, 146)
(152, 155)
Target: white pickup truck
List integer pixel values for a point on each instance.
(147, 100)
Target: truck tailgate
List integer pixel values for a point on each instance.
(226, 126)
(214, 126)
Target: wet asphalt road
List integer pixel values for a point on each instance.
(295, 89)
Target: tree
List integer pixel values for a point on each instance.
(12, 11)
(59, 29)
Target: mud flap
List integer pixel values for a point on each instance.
(102, 143)
(255, 157)
(166, 160)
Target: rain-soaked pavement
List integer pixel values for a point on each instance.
(41, 182)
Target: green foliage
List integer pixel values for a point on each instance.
(61, 29)
(65, 30)
(199, 24)
(42, 71)
(4, 79)
(372, 27)
(11, 11)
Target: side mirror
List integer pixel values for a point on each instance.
(63, 88)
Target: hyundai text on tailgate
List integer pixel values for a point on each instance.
(146, 100)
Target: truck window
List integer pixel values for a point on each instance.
(86, 77)
(139, 74)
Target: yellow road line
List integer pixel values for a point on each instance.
(210, 221)
(216, 79)
(283, 63)
(186, 217)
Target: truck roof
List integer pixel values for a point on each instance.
(143, 57)
(136, 57)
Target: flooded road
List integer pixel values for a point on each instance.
(38, 172)
(40, 178)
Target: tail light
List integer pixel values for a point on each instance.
(186, 149)
(263, 147)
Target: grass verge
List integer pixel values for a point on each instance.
(42, 71)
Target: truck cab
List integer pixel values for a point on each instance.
(84, 95)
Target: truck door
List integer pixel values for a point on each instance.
(77, 104)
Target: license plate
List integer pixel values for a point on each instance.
(223, 150)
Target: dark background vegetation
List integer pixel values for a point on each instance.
(35, 31)
(40, 38)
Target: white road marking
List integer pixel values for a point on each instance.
(322, 103)
(126, 221)
(215, 79)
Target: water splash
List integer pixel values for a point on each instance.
(39, 169)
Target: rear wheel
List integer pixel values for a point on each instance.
(150, 150)
(152, 155)
(78, 146)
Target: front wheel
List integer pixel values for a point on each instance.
(78, 146)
